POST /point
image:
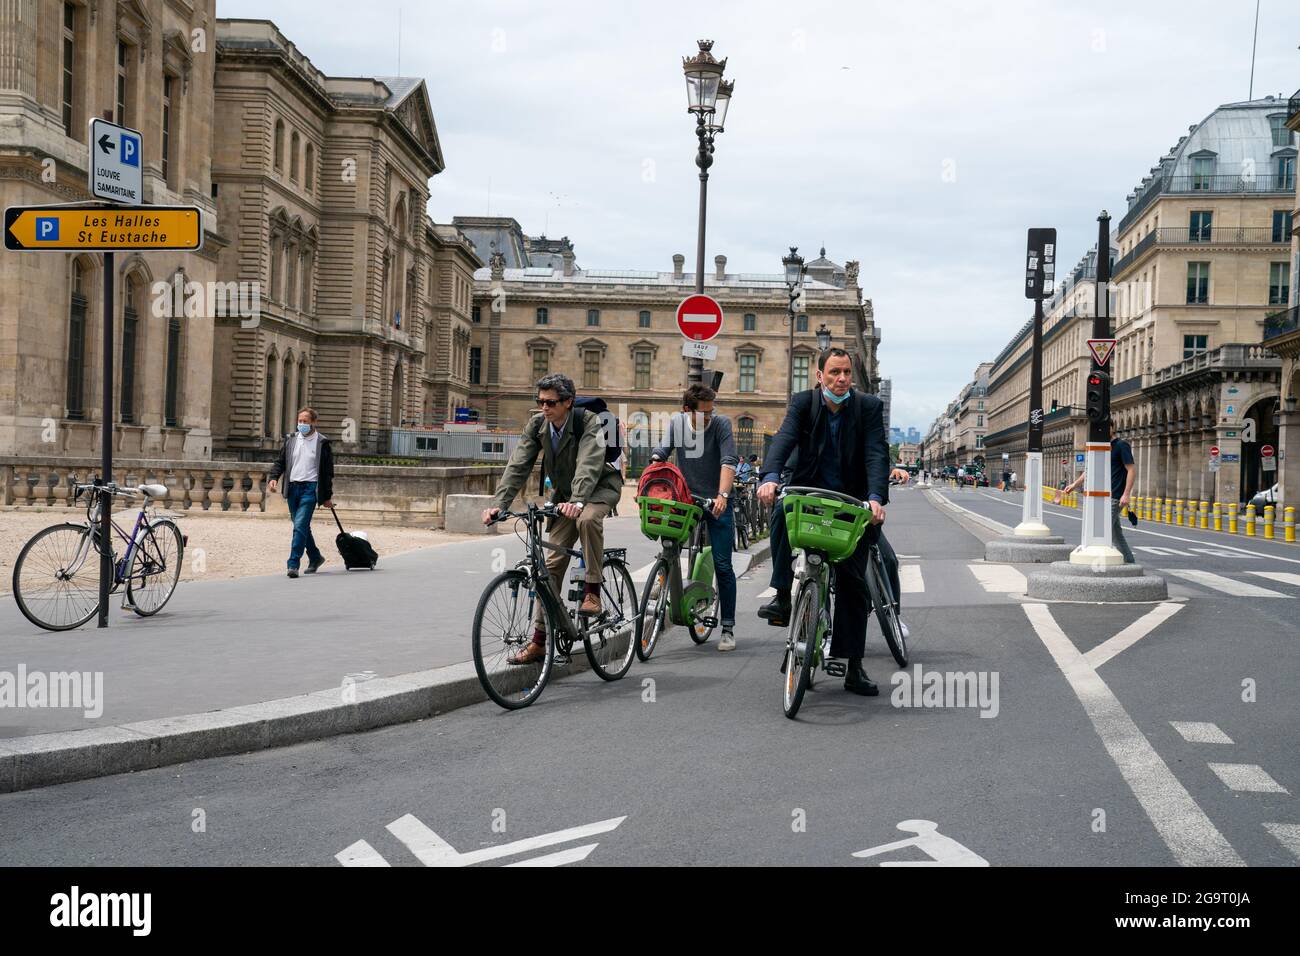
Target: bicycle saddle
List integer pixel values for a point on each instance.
(152, 491)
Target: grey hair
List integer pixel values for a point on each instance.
(561, 385)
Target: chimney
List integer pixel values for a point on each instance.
(568, 256)
(720, 272)
(679, 262)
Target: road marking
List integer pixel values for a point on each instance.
(942, 850)
(432, 850)
(640, 575)
(563, 857)
(999, 578)
(909, 579)
(360, 853)
(1247, 778)
(1226, 585)
(1281, 577)
(766, 594)
(1186, 830)
(1131, 635)
(1162, 552)
(1200, 732)
(1288, 834)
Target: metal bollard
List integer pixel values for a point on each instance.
(1218, 516)
(1269, 514)
(1178, 511)
(1232, 517)
(1204, 523)
(1250, 521)
(1288, 524)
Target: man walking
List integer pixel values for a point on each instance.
(307, 466)
(706, 455)
(1123, 473)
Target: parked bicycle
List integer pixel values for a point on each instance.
(56, 584)
(503, 623)
(824, 528)
(665, 599)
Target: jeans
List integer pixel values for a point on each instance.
(783, 571)
(302, 502)
(722, 536)
(1117, 532)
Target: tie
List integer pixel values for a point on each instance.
(555, 440)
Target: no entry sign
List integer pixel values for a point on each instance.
(1214, 451)
(699, 317)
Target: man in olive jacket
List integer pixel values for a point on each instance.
(585, 490)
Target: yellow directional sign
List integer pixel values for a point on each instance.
(103, 227)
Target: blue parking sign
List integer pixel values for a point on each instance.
(130, 150)
(1078, 458)
(47, 229)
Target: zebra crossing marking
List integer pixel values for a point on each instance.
(910, 579)
(999, 578)
(1247, 778)
(1281, 577)
(1225, 585)
(1200, 732)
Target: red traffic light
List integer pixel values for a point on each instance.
(1094, 379)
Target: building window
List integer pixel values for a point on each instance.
(307, 261)
(801, 324)
(1203, 172)
(277, 146)
(294, 146)
(591, 369)
(1281, 225)
(1281, 135)
(543, 316)
(475, 364)
(643, 369)
(1194, 345)
(1198, 283)
(169, 84)
(593, 316)
(302, 389)
(476, 315)
(1199, 227)
(801, 364)
(541, 363)
(1286, 173)
(76, 369)
(644, 320)
(267, 397)
(123, 68)
(309, 168)
(748, 372)
(1279, 283)
(288, 416)
(291, 276)
(130, 326)
(171, 410)
(69, 62)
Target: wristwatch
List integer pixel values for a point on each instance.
(724, 494)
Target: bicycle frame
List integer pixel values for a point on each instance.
(671, 551)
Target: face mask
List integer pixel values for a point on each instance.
(304, 429)
(836, 399)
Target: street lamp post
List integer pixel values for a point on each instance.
(823, 337)
(794, 271)
(708, 96)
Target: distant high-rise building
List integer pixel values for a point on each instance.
(886, 389)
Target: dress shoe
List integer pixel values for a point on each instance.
(590, 606)
(533, 652)
(857, 681)
(776, 612)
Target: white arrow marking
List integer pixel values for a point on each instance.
(571, 855)
(1131, 635)
(360, 853)
(432, 850)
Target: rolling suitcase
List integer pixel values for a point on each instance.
(355, 551)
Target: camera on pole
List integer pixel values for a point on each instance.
(1098, 396)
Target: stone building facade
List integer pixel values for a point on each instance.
(146, 64)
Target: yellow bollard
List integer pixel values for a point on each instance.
(1178, 511)
(1250, 521)
(1169, 511)
(1269, 513)
(1204, 516)
(1232, 517)
(1218, 516)
(1288, 524)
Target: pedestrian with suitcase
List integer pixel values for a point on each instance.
(306, 466)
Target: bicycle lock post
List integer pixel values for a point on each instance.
(106, 450)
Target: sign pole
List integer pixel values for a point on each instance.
(106, 449)
(1039, 272)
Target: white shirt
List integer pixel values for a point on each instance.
(306, 457)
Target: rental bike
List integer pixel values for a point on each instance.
(503, 623)
(56, 583)
(666, 599)
(824, 528)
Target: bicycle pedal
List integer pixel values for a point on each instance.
(709, 621)
(835, 668)
(777, 622)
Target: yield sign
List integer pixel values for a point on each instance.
(699, 317)
(1101, 349)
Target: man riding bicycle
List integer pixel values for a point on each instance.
(572, 447)
(706, 455)
(839, 435)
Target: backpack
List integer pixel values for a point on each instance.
(662, 479)
(613, 447)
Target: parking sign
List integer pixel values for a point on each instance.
(115, 172)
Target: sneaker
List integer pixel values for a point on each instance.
(313, 565)
(728, 642)
(293, 572)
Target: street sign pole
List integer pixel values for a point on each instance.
(1040, 270)
(1096, 547)
(106, 449)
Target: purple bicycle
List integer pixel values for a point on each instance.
(56, 584)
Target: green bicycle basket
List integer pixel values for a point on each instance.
(663, 518)
(823, 524)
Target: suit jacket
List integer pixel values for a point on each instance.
(324, 465)
(577, 469)
(864, 451)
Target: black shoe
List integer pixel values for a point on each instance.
(313, 565)
(857, 681)
(293, 572)
(776, 611)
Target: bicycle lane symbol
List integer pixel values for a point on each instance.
(942, 850)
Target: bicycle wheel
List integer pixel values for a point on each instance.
(886, 611)
(652, 615)
(742, 530)
(156, 567)
(800, 649)
(56, 577)
(699, 629)
(503, 624)
(611, 639)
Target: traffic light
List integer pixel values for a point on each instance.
(1054, 404)
(1098, 396)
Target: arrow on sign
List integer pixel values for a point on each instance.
(105, 143)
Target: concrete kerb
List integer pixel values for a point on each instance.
(44, 760)
(1122, 583)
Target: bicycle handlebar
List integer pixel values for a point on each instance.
(822, 493)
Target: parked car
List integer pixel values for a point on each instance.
(1266, 497)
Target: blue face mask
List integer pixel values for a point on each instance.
(304, 429)
(836, 399)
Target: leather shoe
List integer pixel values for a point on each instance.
(533, 652)
(590, 606)
(776, 612)
(856, 680)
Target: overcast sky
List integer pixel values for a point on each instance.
(919, 138)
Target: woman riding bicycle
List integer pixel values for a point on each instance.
(840, 437)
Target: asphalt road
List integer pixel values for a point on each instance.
(1084, 757)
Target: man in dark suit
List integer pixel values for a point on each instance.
(839, 435)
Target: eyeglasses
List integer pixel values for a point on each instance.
(549, 402)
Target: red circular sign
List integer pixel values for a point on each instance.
(1214, 451)
(1065, 461)
(1266, 451)
(699, 317)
